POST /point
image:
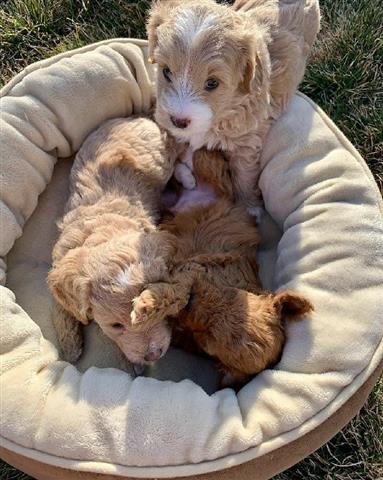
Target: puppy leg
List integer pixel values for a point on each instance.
(184, 176)
(245, 171)
(187, 158)
(69, 333)
(184, 169)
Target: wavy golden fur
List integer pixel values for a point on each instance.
(255, 52)
(214, 292)
(109, 246)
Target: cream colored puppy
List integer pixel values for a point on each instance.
(225, 73)
(109, 246)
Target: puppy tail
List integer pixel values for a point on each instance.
(292, 305)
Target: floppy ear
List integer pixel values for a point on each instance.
(248, 69)
(292, 305)
(157, 16)
(255, 62)
(158, 301)
(71, 287)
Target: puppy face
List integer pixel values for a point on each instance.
(141, 344)
(112, 305)
(102, 283)
(206, 65)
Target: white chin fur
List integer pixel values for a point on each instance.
(199, 113)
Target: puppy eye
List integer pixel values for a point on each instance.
(211, 84)
(117, 326)
(166, 71)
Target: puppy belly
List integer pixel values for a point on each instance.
(201, 196)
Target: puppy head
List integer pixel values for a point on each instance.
(209, 59)
(159, 302)
(102, 283)
(112, 303)
(244, 331)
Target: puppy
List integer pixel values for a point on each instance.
(226, 73)
(109, 246)
(214, 291)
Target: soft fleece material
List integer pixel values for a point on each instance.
(327, 213)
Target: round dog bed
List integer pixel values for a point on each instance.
(323, 236)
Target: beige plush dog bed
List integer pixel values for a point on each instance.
(323, 236)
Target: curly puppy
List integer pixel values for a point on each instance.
(215, 291)
(109, 246)
(226, 73)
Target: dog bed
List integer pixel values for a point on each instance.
(323, 236)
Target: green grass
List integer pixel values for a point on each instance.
(345, 78)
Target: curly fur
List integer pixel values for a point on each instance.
(257, 50)
(108, 245)
(214, 291)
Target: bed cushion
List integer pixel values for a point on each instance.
(323, 235)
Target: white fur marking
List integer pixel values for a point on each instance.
(189, 25)
(128, 277)
(182, 102)
(200, 115)
(123, 277)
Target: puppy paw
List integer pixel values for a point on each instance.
(187, 159)
(184, 176)
(143, 307)
(138, 315)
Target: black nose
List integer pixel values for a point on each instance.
(180, 122)
(153, 355)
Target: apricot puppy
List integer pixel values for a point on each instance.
(214, 292)
(226, 73)
(109, 246)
